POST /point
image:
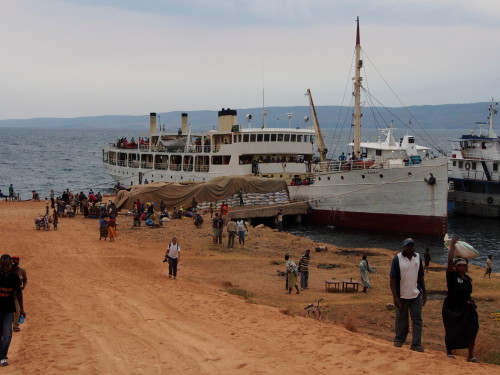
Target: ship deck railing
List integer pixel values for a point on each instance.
(479, 175)
(348, 165)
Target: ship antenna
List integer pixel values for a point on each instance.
(264, 110)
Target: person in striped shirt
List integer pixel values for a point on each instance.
(304, 269)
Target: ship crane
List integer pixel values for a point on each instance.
(319, 136)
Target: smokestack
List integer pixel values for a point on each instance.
(152, 123)
(227, 119)
(184, 118)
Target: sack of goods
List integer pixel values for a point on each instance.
(462, 248)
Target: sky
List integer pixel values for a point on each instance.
(72, 58)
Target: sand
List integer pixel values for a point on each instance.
(96, 307)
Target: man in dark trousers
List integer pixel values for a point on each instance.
(409, 294)
(23, 278)
(173, 256)
(304, 269)
(10, 288)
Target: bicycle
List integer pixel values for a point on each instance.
(314, 311)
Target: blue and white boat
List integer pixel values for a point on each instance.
(473, 171)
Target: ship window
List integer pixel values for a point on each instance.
(293, 138)
(273, 137)
(312, 138)
(483, 145)
(280, 137)
(287, 137)
(460, 164)
(454, 163)
(495, 167)
(411, 140)
(363, 176)
(328, 178)
(266, 137)
(378, 152)
(474, 165)
(259, 137)
(306, 138)
(245, 137)
(239, 137)
(381, 176)
(252, 137)
(341, 177)
(319, 178)
(217, 160)
(299, 138)
(235, 138)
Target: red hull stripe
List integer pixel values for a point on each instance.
(433, 225)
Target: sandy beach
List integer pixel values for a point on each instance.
(96, 307)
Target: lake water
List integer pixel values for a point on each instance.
(44, 159)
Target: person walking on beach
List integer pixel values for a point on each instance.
(11, 192)
(103, 228)
(304, 269)
(489, 266)
(427, 260)
(460, 319)
(10, 290)
(217, 229)
(291, 274)
(172, 256)
(24, 280)
(112, 233)
(409, 294)
(364, 271)
(232, 228)
(242, 229)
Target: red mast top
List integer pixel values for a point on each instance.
(357, 32)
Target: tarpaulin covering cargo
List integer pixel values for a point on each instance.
(176, 194)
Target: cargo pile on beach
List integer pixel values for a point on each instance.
(251, 199)
(96, 307)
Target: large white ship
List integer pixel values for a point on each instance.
(473, 171)
(389, 185)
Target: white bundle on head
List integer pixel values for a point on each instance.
(462, 248)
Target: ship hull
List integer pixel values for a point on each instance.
(392, 200)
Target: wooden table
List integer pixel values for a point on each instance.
(333, 285)
(350, 285)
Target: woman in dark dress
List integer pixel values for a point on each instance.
(459, 309)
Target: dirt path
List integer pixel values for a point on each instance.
(96, 307)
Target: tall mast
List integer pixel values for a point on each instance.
(357, 95)
(321, 143)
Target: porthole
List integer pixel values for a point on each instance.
(409, 173)
(328, 178)
(381, 176)
(319, 178)
(341, 177)
(363, 176)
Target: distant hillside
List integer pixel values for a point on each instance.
(448, 116)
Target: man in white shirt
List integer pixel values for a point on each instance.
(172, 257)
(409, 294)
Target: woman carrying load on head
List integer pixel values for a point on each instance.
(103, 228)
(112, 233)
(459, 309)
